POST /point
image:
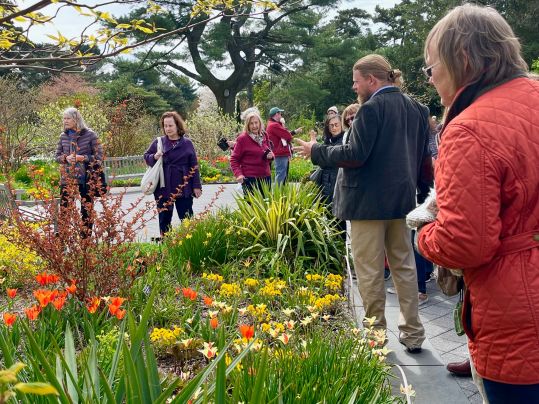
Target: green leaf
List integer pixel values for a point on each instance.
(256, 396)
(71, 361)
(6, 351)
(220, 380)
(109, 395)
(152, 370)
(41, 389)
(134, 392)
(37, 352)
(16, 367)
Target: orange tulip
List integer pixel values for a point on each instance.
(116, 301)
(11, 293)
(71, 289)
(45, 278)
(44, 297)
(9, 318)
(208, 300)
(32, 312)
(214, 322)
(247, 331)
(59, 302)
(120, 314)
(42, 278)
(93, 305)
(189, 293)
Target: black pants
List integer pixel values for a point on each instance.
(85, 208)
(184, 207)
(503, 393)
(250, 183)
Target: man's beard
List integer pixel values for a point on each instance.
(364, 97)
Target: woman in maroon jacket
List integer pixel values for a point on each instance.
(252, 155)
(180, 164)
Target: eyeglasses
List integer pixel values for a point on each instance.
(334, 125)
(428, 70)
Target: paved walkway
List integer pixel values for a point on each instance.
(224, 198)
(425, 371)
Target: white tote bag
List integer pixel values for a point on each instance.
(154, 174)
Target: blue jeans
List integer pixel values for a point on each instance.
(423, 267)
(503, 393)
(281, 169)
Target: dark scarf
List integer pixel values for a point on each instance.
(469, 94)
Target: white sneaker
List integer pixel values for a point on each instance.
(423, 298)
(391, 290)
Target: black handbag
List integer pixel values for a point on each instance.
(223, 144)
(316, 176)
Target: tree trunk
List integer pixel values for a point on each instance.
(226, 100)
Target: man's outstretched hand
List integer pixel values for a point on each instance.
(304, 148)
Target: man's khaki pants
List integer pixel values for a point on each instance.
(370, 239)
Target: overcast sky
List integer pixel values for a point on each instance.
(70, 23)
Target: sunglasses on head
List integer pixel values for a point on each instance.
(428, 70)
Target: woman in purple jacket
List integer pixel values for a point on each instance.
(182, 177)
(252, 155)
(78, 149)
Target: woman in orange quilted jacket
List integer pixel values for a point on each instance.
(487, 183)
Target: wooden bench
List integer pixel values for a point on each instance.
(122, 168)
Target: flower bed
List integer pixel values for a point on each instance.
(231, 307)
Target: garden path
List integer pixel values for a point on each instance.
(224, 199)
(425, 371)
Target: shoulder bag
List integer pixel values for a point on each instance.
(155, 174)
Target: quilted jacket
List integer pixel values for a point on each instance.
(280, 137)
(487, 182)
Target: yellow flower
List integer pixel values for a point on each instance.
(315, 278)
(242, 311)
(288, 312)
(251, 282)
(188, 236)
(230, 290)
(284, 338)
(370, 320)
(209, 351)
(208, 235)
(212, 277)
(408, 390)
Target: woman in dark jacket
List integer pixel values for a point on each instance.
(180, 164)
(77, 150)
(333, 136)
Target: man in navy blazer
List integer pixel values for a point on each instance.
(386, 168)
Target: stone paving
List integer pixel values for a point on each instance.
(425, 371)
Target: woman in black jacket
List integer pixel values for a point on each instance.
(333, 136)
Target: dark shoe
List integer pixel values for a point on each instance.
(413, 349)
(460, 368)
(387, 274)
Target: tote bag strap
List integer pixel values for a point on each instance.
(161, 170)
